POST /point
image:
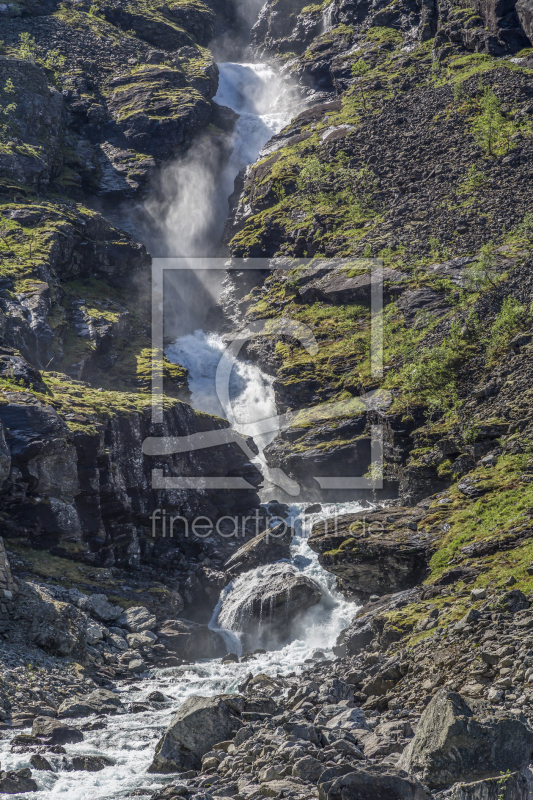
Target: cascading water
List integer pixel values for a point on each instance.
(254, 92)
(129, 739)
(327, 18)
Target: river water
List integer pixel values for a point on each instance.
(129, 739)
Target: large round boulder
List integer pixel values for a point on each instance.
(199, 724)
(265, 605)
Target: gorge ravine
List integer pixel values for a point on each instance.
(411, 143)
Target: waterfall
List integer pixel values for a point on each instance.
(327, 18)
(187, 222)
(253, 91)
(129, 739)
(320, 625)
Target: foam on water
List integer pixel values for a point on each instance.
(254, 92)
(130, 739)
(251, 390)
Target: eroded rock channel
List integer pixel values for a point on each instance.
(363, 644)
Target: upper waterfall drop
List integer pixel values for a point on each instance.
(253, 91)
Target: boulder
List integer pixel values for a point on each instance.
(137, 665)
(338, 288)
(199, 724)
(272, 545)
(374, 552)
(17, 782)
(95, 633)
(41, 763)
(137, 619)
(191, 640)
(308, 769)
(55, 732)
(137, 640)
(99, 606)
(371, 624)
(119, 642)
(265, 604)
(451, 744)
(90, 763)
(58, 628)
(350, 718)
(513, 786)
(524, 10)
(422, 301)
(378, 783)
(101, 701)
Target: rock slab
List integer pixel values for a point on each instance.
(199, 723)
(451, 744)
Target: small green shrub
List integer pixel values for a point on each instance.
(312, 176)
(28, 47)
(482, 275)
(491, 130)
(513, 316)
(359, 70)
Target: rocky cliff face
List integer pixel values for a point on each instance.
(94, 99)
(415, 150)
(76, 479)
(418, 155)
(121, 87)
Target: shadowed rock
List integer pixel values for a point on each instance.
(269, 546)
(377, 552)
(380, 783)
(100, 701)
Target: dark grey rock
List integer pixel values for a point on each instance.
(200, 723)
(451, 744)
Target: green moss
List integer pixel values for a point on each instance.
(384, 35)
(55, 569)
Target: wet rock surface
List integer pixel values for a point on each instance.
(268, 606)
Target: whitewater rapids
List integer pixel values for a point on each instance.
(130, 739)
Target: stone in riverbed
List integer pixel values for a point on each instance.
(156, 697)
(101, 701)
(18, 781)
(90, 763)
(200, 723)
(452, 745)
(55, 732)
(266, 604)
(41, 763)
(191, 640)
